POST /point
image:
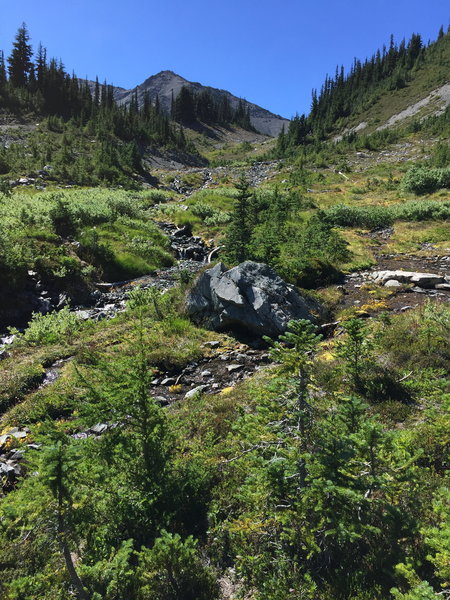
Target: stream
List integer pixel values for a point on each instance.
(223, 364)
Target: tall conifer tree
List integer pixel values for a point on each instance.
(20, 65)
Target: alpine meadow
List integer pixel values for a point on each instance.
(225, 334)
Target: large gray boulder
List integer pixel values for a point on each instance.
(250, 297)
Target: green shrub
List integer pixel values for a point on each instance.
(52, 328)
(374, 217)
(155, 255)
(172, 570)
(62, 217)
(371, 217)
(423, 180)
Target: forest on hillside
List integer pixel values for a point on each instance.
(353, 93)
(75, 114)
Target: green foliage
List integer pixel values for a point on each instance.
(295, 346)
(371, 217)
(14, 256)
(441, 155)
(374, 217)
(306, 253)
(105, 234)
(371, 91)
(355, 349)
(54, 327)
(62, 218)
(239, 230)
(323, 476)
(312, 256)
(209, 215)
(20, 65)
(419, 590)
(172, 570)
(288, 480)
(424, 180)
(84, 135)
(113, 577)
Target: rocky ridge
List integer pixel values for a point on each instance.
(163, 84)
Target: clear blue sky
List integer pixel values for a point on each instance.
(269, 52)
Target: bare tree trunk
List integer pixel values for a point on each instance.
(74, 578)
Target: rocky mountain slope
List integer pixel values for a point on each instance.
(163, 84)
(421, 92)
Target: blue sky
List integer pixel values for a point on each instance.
(272, 53)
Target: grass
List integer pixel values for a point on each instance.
(171, 343)
(207, 211)
(113, 232)
(361, 256)
(409, 237)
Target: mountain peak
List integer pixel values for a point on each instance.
(167, 85)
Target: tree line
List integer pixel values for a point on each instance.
(344, 94)
(189, 107)
(36, 85)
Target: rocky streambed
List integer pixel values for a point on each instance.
(407, 280)
(108, 298)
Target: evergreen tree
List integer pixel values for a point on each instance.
(2, 70)
(293, 351)
(184, 106)
(157, 106)
(41, 67)
(20, 65)
(239, 231)
(59, 462)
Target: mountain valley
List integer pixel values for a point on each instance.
(155, 443)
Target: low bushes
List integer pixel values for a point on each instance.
(422, 180)
(373, 217)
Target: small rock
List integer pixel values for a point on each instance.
(392, 283)
(34, 446)
(233, 368)
(84, 315)
(213, 344)
(99, 428)
(17, 455)
(80, 436)
(7, 470)
(161, 400)
(168, 381)
(194, 392)
(19, 435)
(205, 373)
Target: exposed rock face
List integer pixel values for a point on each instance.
(423, 280)
(250, 297)
(168, 84)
